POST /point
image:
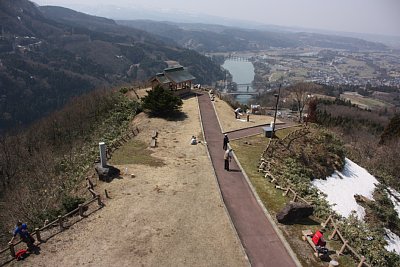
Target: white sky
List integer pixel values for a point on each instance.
(365, 16)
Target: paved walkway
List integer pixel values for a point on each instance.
(256, 130)
(259, 239)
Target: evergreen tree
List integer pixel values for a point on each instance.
(161, 102)
(392, 130)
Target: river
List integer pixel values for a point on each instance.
(242, 73)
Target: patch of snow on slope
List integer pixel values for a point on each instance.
(393, 241)
(394, 196)
(342, 186)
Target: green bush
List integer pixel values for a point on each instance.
(161, 102)
(123, 90)
(70, 202)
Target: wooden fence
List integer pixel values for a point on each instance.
(336, 232)
(265, 166)
(60, 222)
(119, 142)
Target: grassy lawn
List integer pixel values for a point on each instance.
(249, 156)
(277, 75)
(281, 133)
(359, 67)
(248, 150)
(135, 152)
(365, 101)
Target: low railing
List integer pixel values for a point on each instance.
(296, 196)
(336, 232)
(116, 144)
(60, 222)
(265, 166)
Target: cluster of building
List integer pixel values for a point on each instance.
(333, 67)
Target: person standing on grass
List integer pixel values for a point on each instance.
(237, 113)
(227, 158)
(226, 141)
(21, 229)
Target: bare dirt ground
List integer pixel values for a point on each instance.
(170, 215)
(228, 122)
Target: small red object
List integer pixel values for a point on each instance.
(21, 254)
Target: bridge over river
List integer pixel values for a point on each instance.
(243, 89)
(243, 93)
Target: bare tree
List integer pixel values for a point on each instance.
(301, 95)
(9, 159)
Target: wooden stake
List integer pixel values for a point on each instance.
(38, 237)
(340, 252)
(80, 210)
(361, 262)
(12, 249)
(60, 222)
(333, 233)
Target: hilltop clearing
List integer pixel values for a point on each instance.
(169, 214)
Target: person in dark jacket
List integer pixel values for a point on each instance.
(226, 141)
(21, 229)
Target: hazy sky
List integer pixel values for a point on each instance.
(365, 16)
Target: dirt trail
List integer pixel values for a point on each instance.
(166, 216)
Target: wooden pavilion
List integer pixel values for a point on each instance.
(176, 79)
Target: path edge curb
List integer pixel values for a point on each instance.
(268, 215)
(218, 186)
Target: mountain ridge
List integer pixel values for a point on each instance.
(219, 38)
(50, 54)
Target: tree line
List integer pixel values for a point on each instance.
(42, 166)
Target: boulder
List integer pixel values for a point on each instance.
(362, 199)
(107, 173)
(294, 211)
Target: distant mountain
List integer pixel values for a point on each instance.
(50, 54)
(136, 12)
(218, 38)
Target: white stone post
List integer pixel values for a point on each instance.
(103, 156)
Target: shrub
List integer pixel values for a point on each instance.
(161, 102)
(70, 202)
(123, 90)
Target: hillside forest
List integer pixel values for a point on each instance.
(48, 55)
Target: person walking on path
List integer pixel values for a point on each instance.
(226, 141)
(227, 158)
(21, 229)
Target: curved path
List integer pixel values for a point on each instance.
(259, 239)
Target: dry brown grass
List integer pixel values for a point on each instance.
(170, 215)
(228, 122)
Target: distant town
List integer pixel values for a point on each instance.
(324, 66)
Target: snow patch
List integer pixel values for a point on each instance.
(341, 187)
(394, 197)
(393, 241)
